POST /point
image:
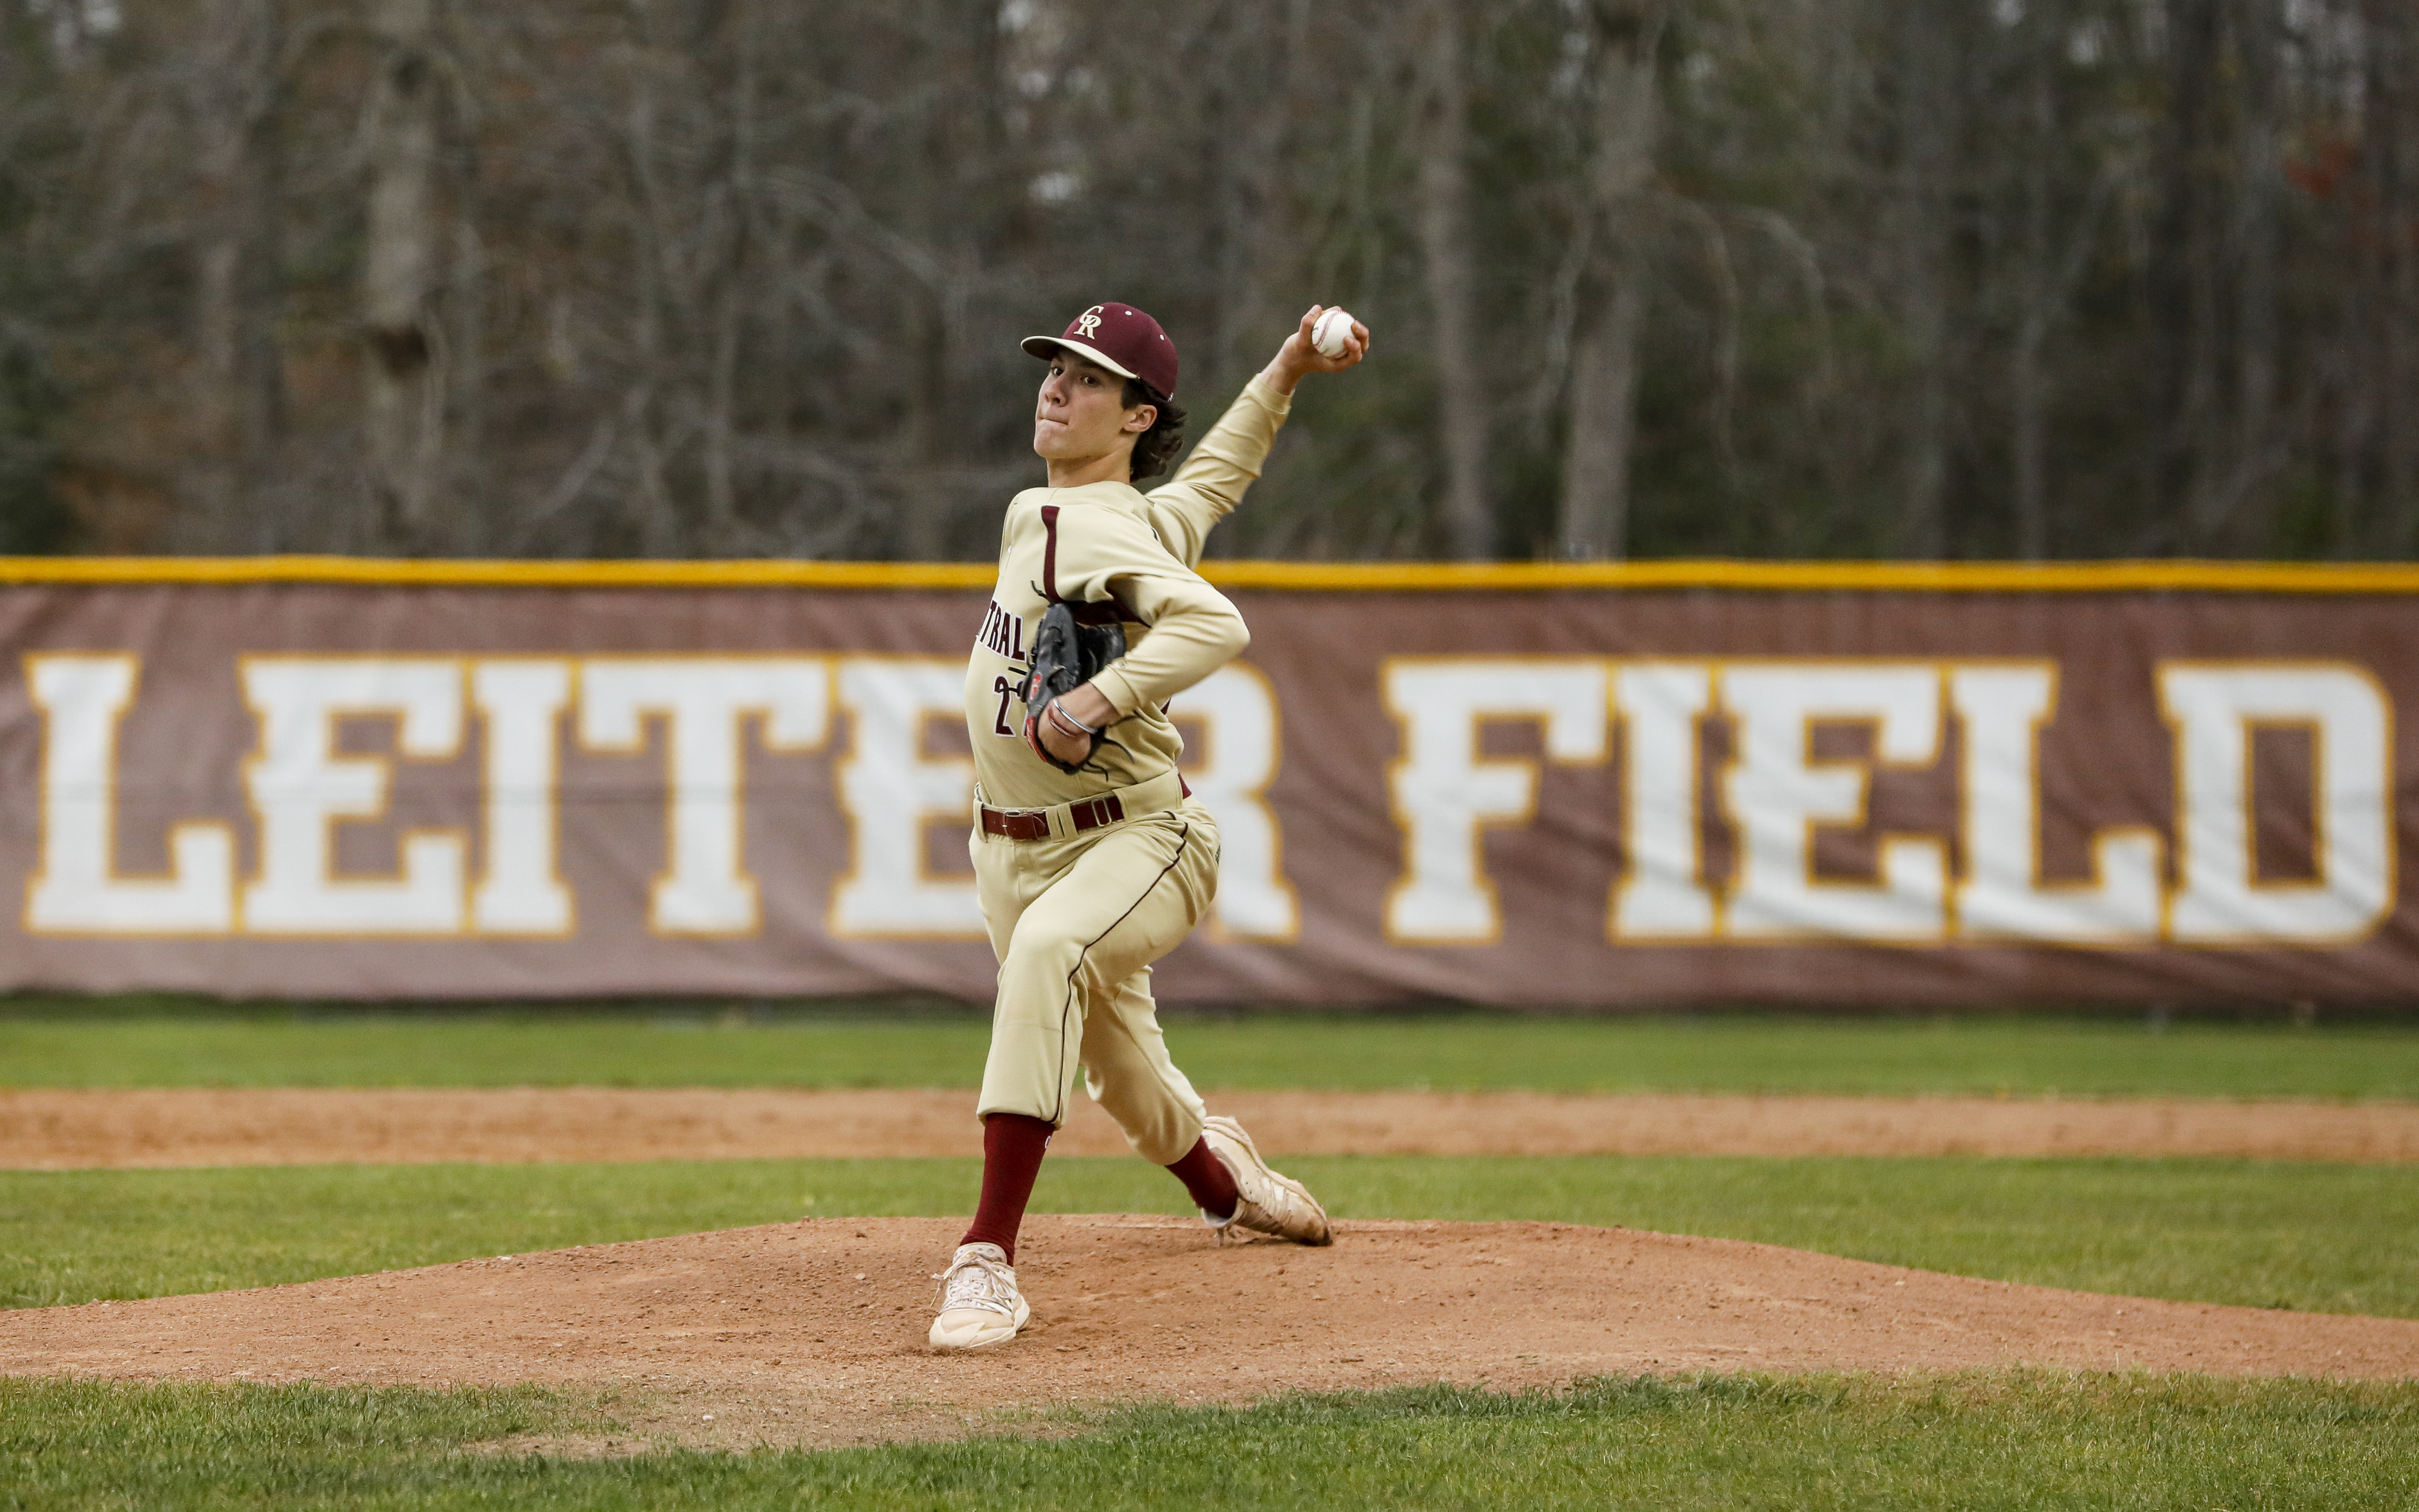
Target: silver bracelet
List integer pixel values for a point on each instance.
(1068, 720)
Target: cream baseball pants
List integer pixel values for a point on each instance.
(1077, 923)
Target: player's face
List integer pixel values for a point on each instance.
(1081, 413)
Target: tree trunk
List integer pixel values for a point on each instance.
(1594, 523)
(1928, 134)
(924, 509)
(1625, 40)
(238, 390)
(1252, 107)
(404, 388)
(2235, 511)
(1451, 266)
(2363, 299)
(2185, 278)
(722, 388)
(649, 508)
(2026, 382)
(2393, 151)
(468, 495)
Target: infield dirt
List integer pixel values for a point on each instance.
(812, 1333)
(61, 1129)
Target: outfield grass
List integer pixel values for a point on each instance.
(2023, 1057)
(2019, 1441)
(2318, 1238)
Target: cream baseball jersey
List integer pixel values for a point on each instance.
(1115, 553)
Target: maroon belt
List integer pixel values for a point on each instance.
(1088, 815)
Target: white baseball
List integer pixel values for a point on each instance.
(1332, 332)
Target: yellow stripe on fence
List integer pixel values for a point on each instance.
(398, 572)
(1920, 577)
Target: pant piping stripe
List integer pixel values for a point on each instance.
(1183, 842)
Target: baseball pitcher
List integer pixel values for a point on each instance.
(1091, 858)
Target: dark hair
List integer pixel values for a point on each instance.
(1155, 448)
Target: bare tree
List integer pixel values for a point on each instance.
(2234, 511)
(1451, 263)
(237, 387)
(1930, 96)
(2058, 225)
(676, 277)
(2388, 239)
(1624, 40)
(404, 373)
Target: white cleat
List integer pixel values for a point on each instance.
(979, 1303)
(1270, 1204)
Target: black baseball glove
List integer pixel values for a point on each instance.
(1066, 655)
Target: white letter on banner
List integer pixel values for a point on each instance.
(2213, 710)
(1663, 896)
(891, 791)
(2001, 710)
(704, 890)
(300, 788)
(1778, 794)
(75, 889)
(520, 703)
(1238, 717)
(1444, 793)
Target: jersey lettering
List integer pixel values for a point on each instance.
(1003, 632)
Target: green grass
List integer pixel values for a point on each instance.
(2025, 1057)
(2030, 1440)
(2331, 1238)
(2318, 1238)
(75, 1236)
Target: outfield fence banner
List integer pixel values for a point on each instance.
(1676, 782)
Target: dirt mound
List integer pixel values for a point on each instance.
(813, 1332)
(201, 1126)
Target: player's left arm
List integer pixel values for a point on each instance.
(1193, 630)
(1226, 461)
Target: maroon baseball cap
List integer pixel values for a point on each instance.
(1121, 339)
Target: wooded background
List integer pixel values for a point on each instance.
(1804, 278)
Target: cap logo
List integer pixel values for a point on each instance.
(1088, 322)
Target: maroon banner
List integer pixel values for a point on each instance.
(1510, 787)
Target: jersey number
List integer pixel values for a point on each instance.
(1006, 690)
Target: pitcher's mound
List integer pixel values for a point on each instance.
(813, 1332)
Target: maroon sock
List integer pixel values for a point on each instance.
(1012, 1146)
(1208, 1179)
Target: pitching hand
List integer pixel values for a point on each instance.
(1088, 704)
(1297, 356)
